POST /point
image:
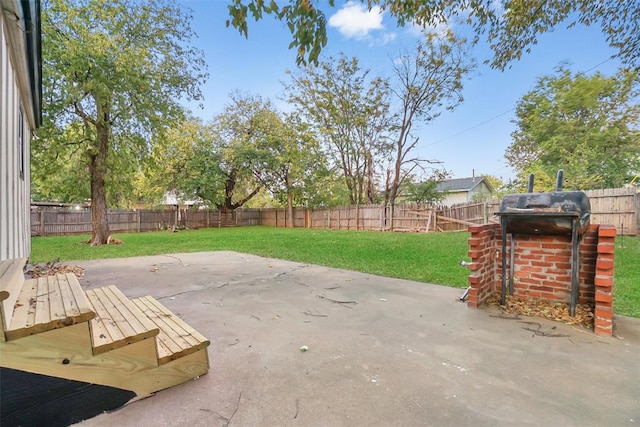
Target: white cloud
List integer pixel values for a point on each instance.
(440, 29)
(355, 21)
(382, 40)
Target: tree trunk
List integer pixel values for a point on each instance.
(393, 193)
(371, 192)
(98, 172)
(290, 223)
(229, 187)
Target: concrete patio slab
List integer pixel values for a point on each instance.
(381, 351)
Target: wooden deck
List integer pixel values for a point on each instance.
(118, 321)
(48, 303)
(176, 338)
(11, 281)
(96, 339)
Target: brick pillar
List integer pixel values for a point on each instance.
(482, 244)
(603, 324)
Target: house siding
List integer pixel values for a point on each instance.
(479, 192)
(14, 113)
(455, 198)
(466, 196)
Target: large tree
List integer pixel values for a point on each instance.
(510, 27)
(242, 136)
(118, 69)
(185, 163)
(349, 110)
(247, 150)
(427, 81)
(586, 125)
(296, 163)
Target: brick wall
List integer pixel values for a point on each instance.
(542, 268)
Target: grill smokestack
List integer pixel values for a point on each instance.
(559, 180)
(530, 187)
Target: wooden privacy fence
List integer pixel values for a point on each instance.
(409, 217)
(61, 222)
(405, 218)
(619, 207)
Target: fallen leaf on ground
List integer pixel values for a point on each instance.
(558, 311)
(52, 268)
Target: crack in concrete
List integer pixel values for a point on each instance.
(205, 288)
(256, 280)
(291, 270)
(174, 257)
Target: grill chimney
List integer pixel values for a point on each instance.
(559, 180)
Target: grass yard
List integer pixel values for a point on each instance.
(627, 276)
(429, 258)
(432, 258)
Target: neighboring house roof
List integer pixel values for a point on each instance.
(462, 184)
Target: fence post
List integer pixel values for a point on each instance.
(485, 211)
(208, 212)
(138, 220)
(42, 223)
(637, 209)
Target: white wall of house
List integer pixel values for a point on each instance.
(453, 198)
(16, 124)
(478, 192)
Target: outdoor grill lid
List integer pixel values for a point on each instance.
(545, 213)
(558, 203)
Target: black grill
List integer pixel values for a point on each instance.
(545, 213)
(555, 213)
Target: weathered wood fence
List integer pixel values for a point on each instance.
(409, 217)
(619, 207)
(62, 221)
(420, 218)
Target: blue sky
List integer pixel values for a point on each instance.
(471, 138)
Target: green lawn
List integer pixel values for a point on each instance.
(429, 258)
(627, 276)
(432, 258)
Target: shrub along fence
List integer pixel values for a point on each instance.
(619, 207)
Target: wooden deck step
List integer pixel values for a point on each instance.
(176, 338)
(48, 303)
(118, 320)
(11, 281)
(11, 272)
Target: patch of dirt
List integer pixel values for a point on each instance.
(52, 268)
(558, 311)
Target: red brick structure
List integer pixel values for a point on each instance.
(542, 268)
